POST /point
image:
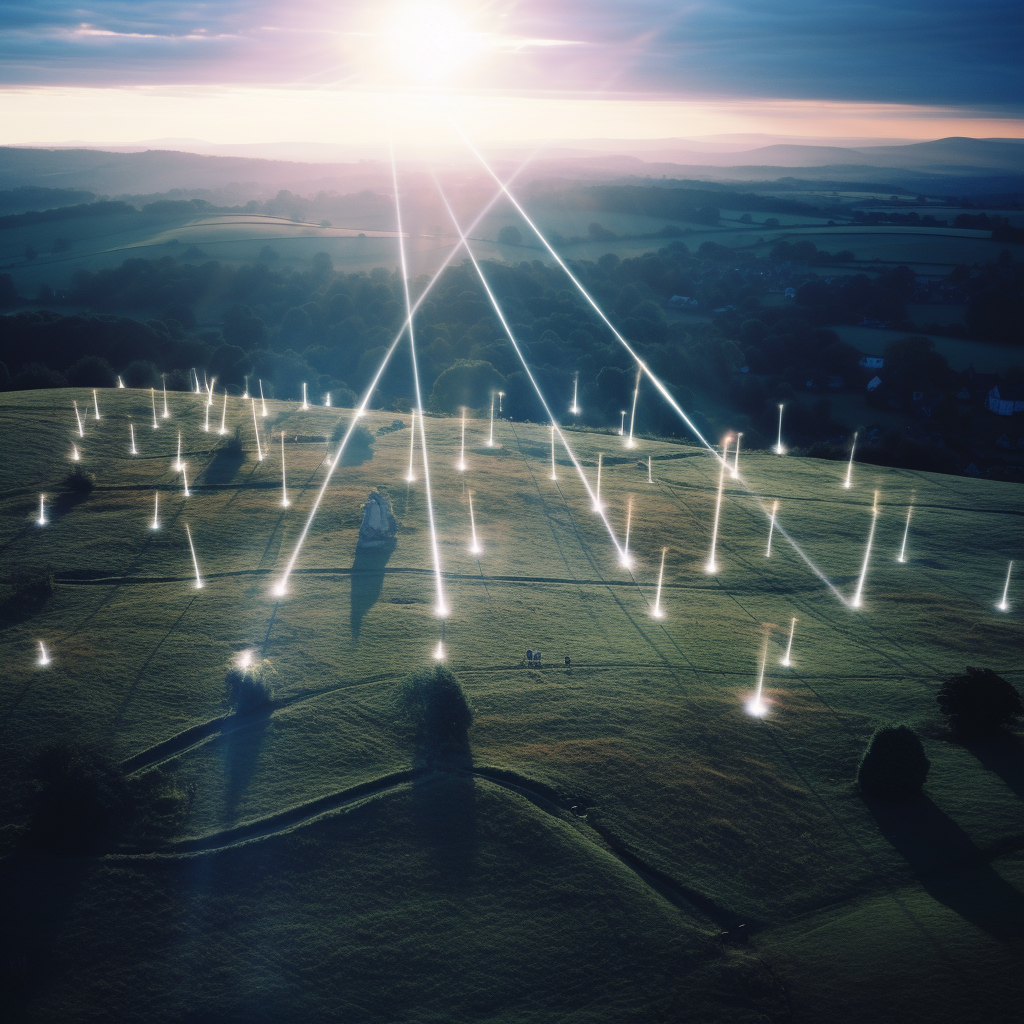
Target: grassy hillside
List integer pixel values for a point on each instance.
(310, 873)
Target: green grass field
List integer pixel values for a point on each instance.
(314, 876)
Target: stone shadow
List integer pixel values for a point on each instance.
(367, 580)
(950, 867)
(1002, 754)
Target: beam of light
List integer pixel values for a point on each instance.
(120, 383)
(756, 705)
(155, 525)
(281, 588)
(625, 558)
(177, 464)
(206, 424)
(245, 391)
(305, 404)
(1003, 605)
(786, 661)
(95, 404)
(622, 423)
(284, 483)
(439, 654)
(244, 659)
(906, 532)
(263, 401)
(152, 398)
(736, 460)
(554, 473)
(474, 547)
(712, 565)
(441, 608)
(327, 400)
(199, 390)
(597, 496)
(771, 530)
(856, 602)
(184, 480)
(224, 415)
(42, 520)
(650, 479)
(75, 457)
(501, 394)
(461, 467)
(131, 433)
(44, 658)
(632, 416)
(166, 413)
(490, 435)
(256, 427)
(209, 390)
(410, 477)
(78, 417)
(848, 483)
(779, 450)
(529, 373)
(195, 562)
(575, 407)
(658, 612)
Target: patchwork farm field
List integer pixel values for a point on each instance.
(611, 819)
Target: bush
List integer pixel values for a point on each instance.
(250, 690)
(439, 709)
(978, 700)
(79, 481)
(360, 443)
(29, 590)
(894, 765)
(81, 796)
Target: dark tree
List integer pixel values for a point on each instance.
(978, 700)
(249, 689)
(894, 765)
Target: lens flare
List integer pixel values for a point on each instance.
(657, 611)
(575, 407)
(256, 427)
(224, 414)
(131, 434)
(1003, 605)
(78, 417)
(156, 425)
(736, 461)
(848, 482)
(155, 525)
(120, 383)
(263, 401)
(858, 594)
(95, 404)
(712, 565)
(42, 520)
(474, 546)
(906, 532)
(632, 416)
(305, 404)
(166, 413)
(195, 563)
(771, 530)
(44, 658)
(779, 450)
(178, 465)
(787, 660)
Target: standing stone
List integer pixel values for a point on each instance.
(379, 525)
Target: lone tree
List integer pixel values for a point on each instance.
(250, 689)
(978, 701)
(894, 765)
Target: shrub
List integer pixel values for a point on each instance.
(978, 700)
(894, 765)
(80, 481)
(80, 797)
(439, 709)
(250, 690)
(360, 443)
(32, 587)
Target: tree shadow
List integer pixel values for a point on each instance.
(1003, 754)
(224, 466)
(367, 579)
(949, 866)
(243, 737)
(67, 501)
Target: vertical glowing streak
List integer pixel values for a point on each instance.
(192, 548)
(712, 565)
(95, 404)
(736, 460)
(650, 480)
(177, 462)
(78, 417)
(501, 394)
(120, 383)
(263, 401)
(42, 510)
(327, 400)
(626, 560)
(166, 412)
(597, 496)
(574, 408)
(256, 427)
(789, 646)
(658, 613)
(245, 393)
(206, 425)
(771, 530)
(778, 443)
(209, 391)
(44, 658)
(155, 525)
(131, 431)
(632, 416)
(411, 475)
(475, 546)
(906, 531)
(305, 404)
(856, 602)
(224, 415)
(441, 608)
(490, 436)
(554, 475)
(849, 468)
(184, 478)
(199, 390)
(75, 457)
(284, 483)
(152, 398)
(462, 451)
(622, 423)
(756, 706)
(1003, 605)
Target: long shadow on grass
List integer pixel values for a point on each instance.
(224, 465)
(1004, 755)
(949, 866)
(367, 578)
(242, 737)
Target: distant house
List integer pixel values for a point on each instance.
(1005, 401)
(874, 382)
(872, 362)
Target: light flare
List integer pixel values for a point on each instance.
(224, 415)
(263, 401)
(155, 525)
(712, 565)
(848, 482)
(44, 658)
(120, 383)
(131, 434)
(575, 408)
(284, 483)
(622, 423)
(474, 546)
(75, 457)
(95, 404)
(462, 451)
(156, 425)
(771, 530)
(166, 413)
(78, 417)
(779, 450)
(195, 562)
(857, 597)
(42, 520)
(632, 416)
(184, 480)
(786, 661)
(178, 465)
(305, 404)
(657, 611)
(256, 427)
(245, 391)
(756, 705)
(1003, 605)
(906, 531)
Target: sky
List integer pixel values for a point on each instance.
(113, 71)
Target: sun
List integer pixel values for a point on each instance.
(430, 43)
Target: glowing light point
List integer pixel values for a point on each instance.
(263, 401)
(574, 408)
(42, 520)
(281, 589)
(75, 457)
(184, 480)
(756, 705)
(327, 400)
(155, 525)
(1004, 605)
(156, 425)
(120, 383)
(44, 658)
(622, 423)
(195, 563)
(786, 662)
(245, 659)
(166, 413)
(779, 450)
(305, 404)
(657, 611)
(848, 483)
(178, 465)
(439, 653)
(906, 530)
(78, 416)
(131, 434)
(209, 391)
(245, 392)
(95, 404)
(410, 477)
(224, 415)
(442, 611)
